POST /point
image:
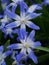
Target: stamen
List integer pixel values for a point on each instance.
(26, 45)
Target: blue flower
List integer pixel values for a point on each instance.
(5, 19)
(45, 2)
(8, 31)
(3, 55)
(26, 14)
(4, 3)
(27, 44)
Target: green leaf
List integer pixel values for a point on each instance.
(6, 44)
(43, 49)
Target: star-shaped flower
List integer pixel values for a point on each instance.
(27, 44)
(26, 14)
(4, 20)
(6, 31)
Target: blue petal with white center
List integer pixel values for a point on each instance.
(32, 25)
(15, 46)
(27, 44)
(8, 31)
(24, 19)
(34, 7)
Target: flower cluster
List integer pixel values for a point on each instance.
(16, 22)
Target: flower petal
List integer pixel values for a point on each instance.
(6, 54)
(2, 26)
(39, 7)
(22, 34)
(36, 44)
(13, 24)
(32, 34)
(32, 16)
(15, 31)
(23, 50)
(32, 55)
(32, 25)
(46, 2)
(4, 30)
(14, 8)
(4, 63)
(11, 14)
(15, 46)
(19, 57)
(11, 35)
(1, 16)
(23, 27)
(32, 8)
(23, 7)
(1, 48)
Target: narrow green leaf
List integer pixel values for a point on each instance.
(6, 44)
(43, 49)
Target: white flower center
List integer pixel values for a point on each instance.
(26, 45)
(23, 20)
